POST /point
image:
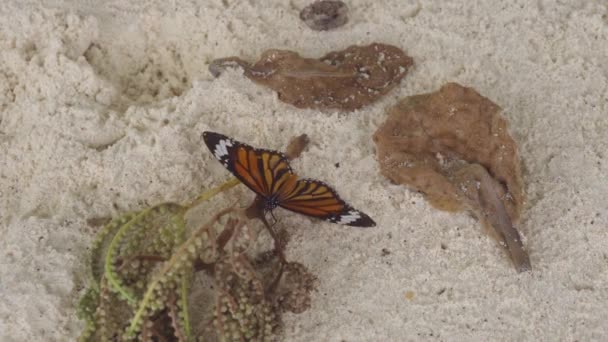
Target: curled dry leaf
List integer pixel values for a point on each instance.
(453, 146)
(325, 15)
(347, 79)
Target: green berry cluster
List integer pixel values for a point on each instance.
(145, 268)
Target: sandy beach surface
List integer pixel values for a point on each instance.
(102, 106)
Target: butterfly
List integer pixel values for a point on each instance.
(269, 175)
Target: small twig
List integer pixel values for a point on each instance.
(210, 193)
(225, 236)
(171, 304)
(275, 282)
(221, 241)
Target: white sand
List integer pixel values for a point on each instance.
(82, 135)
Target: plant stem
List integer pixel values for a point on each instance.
(210, 193)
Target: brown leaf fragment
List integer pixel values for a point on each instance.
(453, 146)
(296, 146)
(325, 15)
(347, 79)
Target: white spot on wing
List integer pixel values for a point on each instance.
(351, 217)
(221, 149)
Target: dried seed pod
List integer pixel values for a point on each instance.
(294, 288)
(325, 15)
(453, 145)
(347, 79)
(296, 146)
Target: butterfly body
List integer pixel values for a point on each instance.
(271, 203)
(269, 175)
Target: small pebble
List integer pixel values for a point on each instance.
(325, 15)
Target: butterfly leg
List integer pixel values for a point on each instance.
(274, 218)
(258, 210)
(278, 245)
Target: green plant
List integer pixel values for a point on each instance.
(143, 270)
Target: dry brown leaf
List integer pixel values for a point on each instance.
(347, 80)
(453, 146)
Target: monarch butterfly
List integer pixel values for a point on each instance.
(269, 175)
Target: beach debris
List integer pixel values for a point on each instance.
(454, 147)
(325, 15)
(346, 80)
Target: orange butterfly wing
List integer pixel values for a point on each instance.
(315, 198)
(263, 171)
